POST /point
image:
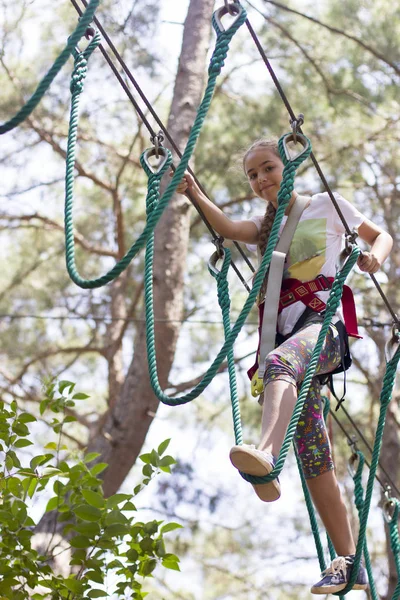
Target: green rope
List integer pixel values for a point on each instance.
(359, 502)
(385, 397)
(47, 80)
(395, 544)
(331, 307)
(284, 195)
(311, 509)
(216, 64)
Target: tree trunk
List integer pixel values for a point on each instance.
(126, 425)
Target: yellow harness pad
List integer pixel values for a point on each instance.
(257, 385)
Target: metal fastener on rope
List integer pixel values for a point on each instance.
(392, 344)
(219, 244)
(354, 459)
(295, 124)
(231, 7)
(90, 33)
(215, 257)
(389, 505)
(305, 142)
(147, 154)
(157, 141)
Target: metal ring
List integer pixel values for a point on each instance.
(215, 257)
(290, 138)
(152, 152)
(233, 9)
(353, 460)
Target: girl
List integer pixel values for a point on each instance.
(313, 251)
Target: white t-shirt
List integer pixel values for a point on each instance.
(315, 247)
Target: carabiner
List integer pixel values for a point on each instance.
(230, 8)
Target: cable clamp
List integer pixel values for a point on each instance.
(218, 242)
(233, 8)
(295, 125)
(157, 140)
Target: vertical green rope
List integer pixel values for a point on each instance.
(395, 544)
(385, 397)
(359, 502)
(47, 80)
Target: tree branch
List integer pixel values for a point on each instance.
(353, 38)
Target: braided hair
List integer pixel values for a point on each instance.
(269, 216)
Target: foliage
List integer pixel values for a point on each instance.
(103, 535)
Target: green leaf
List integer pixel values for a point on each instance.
(91, 456)
(96, 576)
(170, 564)
(170, 527)
(80, 541)
(51, 446)
(163, 446)
(116, 499)
(40, 460)
(97, 594)
(53, 503)
(98, 468)
(147, 470)
(9, 462)
(80, 396)
(63, 385)
(26, 418)
(22, 443)
(148, 566)
(166, 461)
(87, 513)
(128, 506)
(93, 498)
(132, 555)
(146, 458)
(15, 487)
(90, 529)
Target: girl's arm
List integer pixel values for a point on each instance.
(241, 231)
(381, 244)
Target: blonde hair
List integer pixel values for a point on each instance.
(269, 216)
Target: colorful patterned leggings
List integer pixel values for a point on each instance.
(288, 362)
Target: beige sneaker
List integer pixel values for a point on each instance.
(248, 459)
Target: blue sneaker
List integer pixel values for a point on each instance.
(248, 459)
(337, 575)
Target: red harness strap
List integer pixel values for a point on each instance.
(294, 290)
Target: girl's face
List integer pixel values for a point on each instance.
(264, 171)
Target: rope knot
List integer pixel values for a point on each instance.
(79, 74)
